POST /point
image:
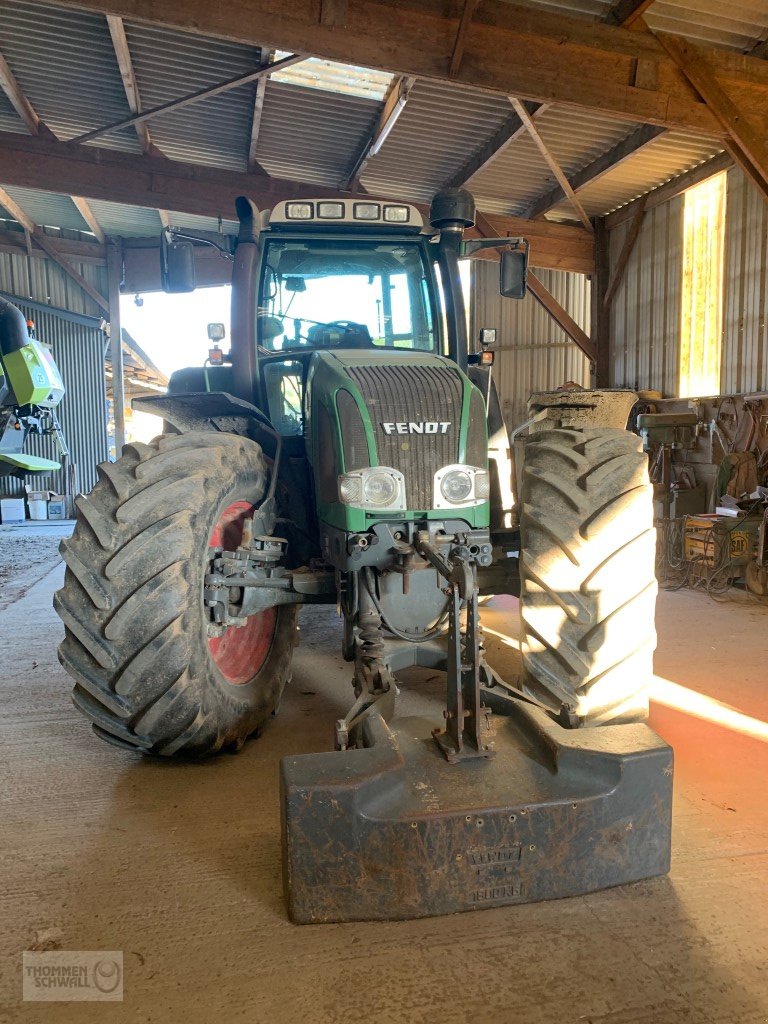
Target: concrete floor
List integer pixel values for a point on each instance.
(179, 865)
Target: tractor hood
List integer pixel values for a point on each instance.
(414, 412)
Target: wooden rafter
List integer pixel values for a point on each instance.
(626, 251)
(626, 12)
(392, 107)
(258, 112)
(90, 218)
(608, 161)
(546, 299)
(16, 95)
(662, 194)
(492, 148)
(745, 142)
(206, 93)
(551, 161)
(334, 13)
(557, 57)
(43, 242)
(128, 75)
(470, 6)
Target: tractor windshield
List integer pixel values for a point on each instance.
(325, 293)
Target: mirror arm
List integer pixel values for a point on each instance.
(476, 244)
(225, 251)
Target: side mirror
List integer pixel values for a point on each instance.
(513, 267)
(177, 264)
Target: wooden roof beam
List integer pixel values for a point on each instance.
(557, 57)
(258, 112)
(392, 107)
(506, 134)
(128, 75)
(745, 143)
(470, 6)
(206, 93)
(626, 12)
(136, 180)
(551, 161)
(51, 251)
(90, 218)
(670, 189)
(17, 97)
(612, 158)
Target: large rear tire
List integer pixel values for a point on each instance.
(146, 672)
(587, 568)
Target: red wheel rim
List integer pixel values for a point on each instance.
(240, 652)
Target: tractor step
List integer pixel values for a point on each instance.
(391, 830)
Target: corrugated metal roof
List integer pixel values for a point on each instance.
(117, 219)
(659, 161)
(738, 26)
(47, 209)
(440, 128)
(512, 181)
(171, 64)
(311, 135)
(65, 63)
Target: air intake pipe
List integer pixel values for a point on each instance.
(452, 210)
(245, 365)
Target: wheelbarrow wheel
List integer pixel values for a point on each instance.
(148, 673)
(587, 569)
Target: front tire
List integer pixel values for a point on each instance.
(587, 567)
(146, 673)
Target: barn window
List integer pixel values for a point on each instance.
(702, 293)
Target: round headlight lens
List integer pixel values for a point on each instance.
(456, 486)
(380, 489)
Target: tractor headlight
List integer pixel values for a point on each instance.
(373, 487)
(456, 486)
(460, 486)
(380, 489)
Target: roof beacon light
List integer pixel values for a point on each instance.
(397, 214)
(367, 211)
(330, 211)
(299, 211)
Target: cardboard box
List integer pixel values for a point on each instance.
(57, 506)
(12, 510)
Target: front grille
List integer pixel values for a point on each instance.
(421, 394)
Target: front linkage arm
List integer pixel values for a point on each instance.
(467, 726)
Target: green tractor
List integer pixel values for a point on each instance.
(30, 390)
(340, 455)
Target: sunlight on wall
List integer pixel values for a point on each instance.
(702, 292)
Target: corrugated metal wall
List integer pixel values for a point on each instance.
(534, 354)
(78, 348)
(645, 313)
(645, 317)
(745, 333)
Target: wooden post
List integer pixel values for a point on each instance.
(601, 311)
(115, 274)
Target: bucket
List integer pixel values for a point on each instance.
(38, 508)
